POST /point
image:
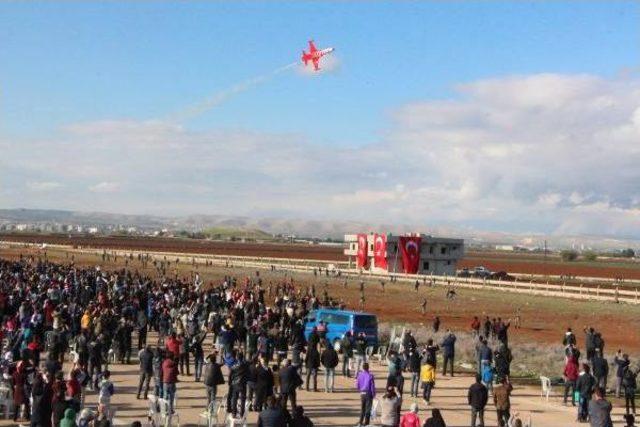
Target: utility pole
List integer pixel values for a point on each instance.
(545, 257)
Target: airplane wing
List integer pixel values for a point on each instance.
(312, 47)
(315, 64)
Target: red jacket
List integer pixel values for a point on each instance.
(169, 371)
(410, 419)
(173, 346)
(571, 371)
(73, 388)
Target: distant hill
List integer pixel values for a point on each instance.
(263, 228)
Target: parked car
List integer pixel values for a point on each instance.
(481, 272)
(464, 273)
(502, 275)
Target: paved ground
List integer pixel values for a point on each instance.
(342, 407)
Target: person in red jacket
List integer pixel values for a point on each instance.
(475, 326)
(571, 372)
(169, 379)
(410, 419)
(74, 389)
(173, 345)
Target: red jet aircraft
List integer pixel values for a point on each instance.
(314, 55)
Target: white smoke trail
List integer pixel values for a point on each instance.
(220, 97)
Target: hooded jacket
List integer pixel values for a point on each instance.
(69, 419)
(410, 419)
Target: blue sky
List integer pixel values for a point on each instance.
(508, 116)
(70, 62)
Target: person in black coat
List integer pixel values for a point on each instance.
(585, 386)
(238, 376)
(448, 351)
(212, 378)
(600, 369)
(272, 416)
(41, 408)
(299, 419)
(329, 360)
(630, 385)
(289, 381)
(312, 363)
(264, 384)
(502, 358)
(477, 398)
(146, 370)
(198, 354)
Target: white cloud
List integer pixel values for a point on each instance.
(43, 186)
(523, 153)
(104, 187)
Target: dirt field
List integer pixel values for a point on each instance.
(511, 263)
(555, 267)
(273, 250)
(544, 319)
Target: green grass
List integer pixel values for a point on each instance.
(238, 233)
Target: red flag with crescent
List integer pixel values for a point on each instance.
(410, 251)
(362, 259)
(380, 251)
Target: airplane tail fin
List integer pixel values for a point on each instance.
(304, 59)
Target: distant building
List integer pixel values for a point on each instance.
(410, 253)
(511, 248)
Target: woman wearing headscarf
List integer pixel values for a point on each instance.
(436, 419)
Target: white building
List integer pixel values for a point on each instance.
(435, 255)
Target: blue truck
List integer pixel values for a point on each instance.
(338, 322)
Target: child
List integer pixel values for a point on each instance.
(428, 378)
(105, 387)
(487, 376)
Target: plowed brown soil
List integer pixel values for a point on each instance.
(511, 263)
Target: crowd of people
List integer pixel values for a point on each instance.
(84, 319)
(586, 383)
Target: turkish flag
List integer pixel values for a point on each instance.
(362, 259)
(410, 250)
(380, 251)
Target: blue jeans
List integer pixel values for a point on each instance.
(583, 408)
(157, 387)
(198, 367)
(415, 383)
(169, 394)
(360, 359)
(329, 378)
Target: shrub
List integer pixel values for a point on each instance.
(569, 255)
(589, 256)
(627, 253)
